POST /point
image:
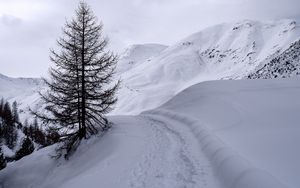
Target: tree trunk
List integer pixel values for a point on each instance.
(83, 128)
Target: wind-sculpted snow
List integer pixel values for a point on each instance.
(252, 128)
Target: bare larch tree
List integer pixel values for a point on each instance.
(81, 86)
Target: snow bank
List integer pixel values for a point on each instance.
(233, 170)
(259, 119)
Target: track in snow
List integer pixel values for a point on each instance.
(173, 158)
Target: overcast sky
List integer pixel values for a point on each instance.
(28, 28)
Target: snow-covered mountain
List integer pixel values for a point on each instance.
(23, 90)
(225, 51)
(152, 73)
(14, 87)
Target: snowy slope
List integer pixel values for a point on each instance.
(256, 119)
(228, 134)
(225, 51)
(16, 87)
(137, 152)
(23, 90)
(287, 64)
(138, 54)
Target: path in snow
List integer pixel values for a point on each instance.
(145, 151)
(173, 157)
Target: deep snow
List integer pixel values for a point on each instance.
(214, 134)
(256, 118)
(142, 151)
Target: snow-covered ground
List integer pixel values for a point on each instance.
(214, 134)
(139, 151)
(258, 119)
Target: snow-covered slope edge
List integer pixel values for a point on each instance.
(247, 131)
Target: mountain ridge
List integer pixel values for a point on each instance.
(153, 73)
(224, 51)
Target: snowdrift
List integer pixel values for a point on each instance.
(249, 129)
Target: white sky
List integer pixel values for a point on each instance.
(28, 28)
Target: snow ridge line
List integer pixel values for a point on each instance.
(231, 169)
